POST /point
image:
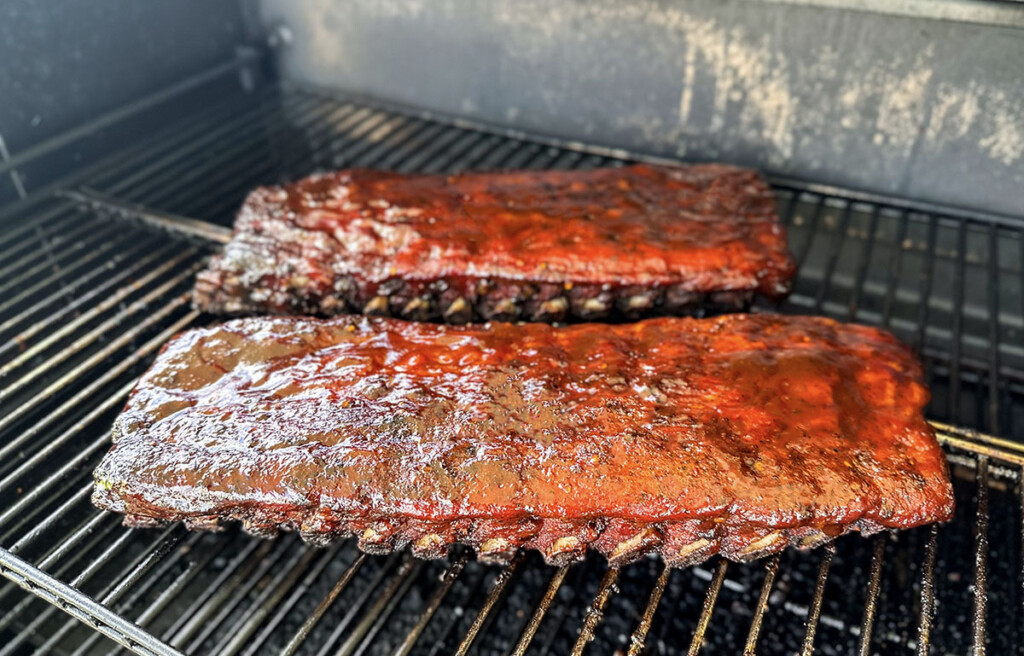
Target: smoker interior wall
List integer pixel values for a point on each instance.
(63, 63)
(926, 108)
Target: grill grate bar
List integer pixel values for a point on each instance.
(814, 612)
(312, 564)
(236, 596)
(382, 608)
(926, 284)
(981, 559)
(103, 354)
(324, 606)
(639, 637)
(171, 556)
(142, 563)
(867, 624)
(167, 593)
(596, 610)
(54, 517)
(834, 249)
(994, 422)
(95, 231)
(126, 272)
(956, 339)
(112, 301)
(82, 607)
(927, 592)
(709, 606)
(771, 570)
(895, 270)
(447, 580)
(390, 564)
(865, 261)
(496, 593)
(539, 611)
(43, 453)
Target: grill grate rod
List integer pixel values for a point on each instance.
(447, 580)
(814, 612)
(385, 570)
(496, 593)
(596, 610)
(323, 606)
(312, 564)
(709, 606)
(639, 637)
(867, 624)
(126, 272)
(82, 607)
(259, 581)
(382, 609)
(540, 610)
(167, 592)
(981, 559)
(771, 570)
(160, 561)
(103, 354)
(928, 592)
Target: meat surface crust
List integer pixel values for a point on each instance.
(537, 246)
(686, 437)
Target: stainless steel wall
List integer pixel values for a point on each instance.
(907, 104)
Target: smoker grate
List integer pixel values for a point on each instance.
(86, 301)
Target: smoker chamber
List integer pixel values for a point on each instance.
(96, 269)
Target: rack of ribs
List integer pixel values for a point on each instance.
(738, 435)
(532, 246)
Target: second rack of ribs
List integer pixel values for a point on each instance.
(536, 246)
(735, 435)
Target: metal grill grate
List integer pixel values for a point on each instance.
(85, 301)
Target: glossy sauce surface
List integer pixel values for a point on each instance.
(702, 229)
(749, 420)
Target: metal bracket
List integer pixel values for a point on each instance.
(195, 229)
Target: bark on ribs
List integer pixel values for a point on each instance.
(538, 246)
(686, 437)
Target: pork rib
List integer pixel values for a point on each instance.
(738, 434)
(538, 246)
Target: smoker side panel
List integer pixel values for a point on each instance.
(927, 108)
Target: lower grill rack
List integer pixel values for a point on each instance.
(86, 300)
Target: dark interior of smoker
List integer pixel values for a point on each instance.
(157, 114)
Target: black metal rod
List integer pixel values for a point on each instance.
(867, 624)
(994, 337)
(771, 570)
(258, 553)
(864, 264)
(121, 113)
(324, 605)
(835, 247)
(814, 612)
(925, 285)
(60, 594)
(709, 607)
(496, 593)
(381, 609)
(281, 610)
(312, 563)
(596, 610)
(981, 560)
(924, 631)
(447, 580)
(956, 338)
(541, 609)
(895, 269)
(639, 637)
(390, 564)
